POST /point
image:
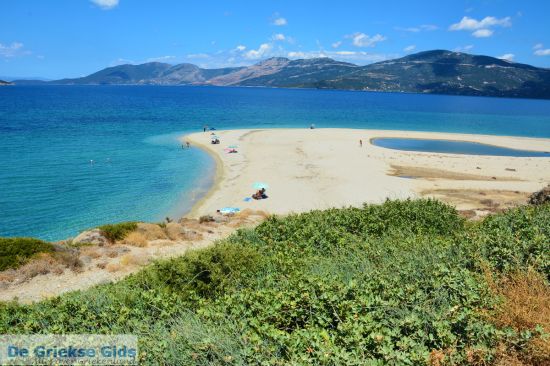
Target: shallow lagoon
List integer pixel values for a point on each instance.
(453, 147)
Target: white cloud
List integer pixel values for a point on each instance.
(264, 50)
(240, 48)
(336, 44)
(105, 4)
(542, 52)
(161, 59)
(420, 28)
(481, 28)
(298, 54)
(359, 57)
(364, 40)
(464, 49)
(482, 33)
(278, 37)
(279, 21)
(410, 48)
(507, 57)
(467, 23)
(12, 50)
(538, 46)
(198, 55)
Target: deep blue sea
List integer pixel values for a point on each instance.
(50, 134)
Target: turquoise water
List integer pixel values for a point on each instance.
(49, 134)
(454, 147)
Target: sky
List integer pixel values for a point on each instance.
(71, 38)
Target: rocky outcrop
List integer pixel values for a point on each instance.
(540, 197)
(93, 237)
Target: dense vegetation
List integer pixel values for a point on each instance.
(16, 251)
(403, 283)
(115, 232)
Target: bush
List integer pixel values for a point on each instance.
(16, 251)
(115, 232)
(402, 283)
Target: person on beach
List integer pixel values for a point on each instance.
(260, 195)
(360, 143)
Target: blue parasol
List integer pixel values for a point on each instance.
(260, 185)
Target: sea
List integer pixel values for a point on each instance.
(75, 157)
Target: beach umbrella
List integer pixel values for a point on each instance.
(260, 185)
(232, 146)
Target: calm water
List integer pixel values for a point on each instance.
(49, 134)
(454, 147)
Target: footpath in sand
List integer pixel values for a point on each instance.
(320, 168)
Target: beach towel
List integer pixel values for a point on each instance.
(228, 210)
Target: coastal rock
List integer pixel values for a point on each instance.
(540, 197)
(94, 237)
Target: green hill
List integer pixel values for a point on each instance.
(445, 72)
(403, 283)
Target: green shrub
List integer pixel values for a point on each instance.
(383, 284)
(115, 232)
(16, 251)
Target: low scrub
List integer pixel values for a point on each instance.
(115, 232)
(15, 252)
(403, 283)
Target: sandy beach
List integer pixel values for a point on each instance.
(321, 168)
(305, 170)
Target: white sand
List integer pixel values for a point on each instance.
(315, 169)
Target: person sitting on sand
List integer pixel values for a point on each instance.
(260, 194)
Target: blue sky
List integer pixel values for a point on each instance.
(71, 38)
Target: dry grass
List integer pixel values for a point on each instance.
(92, 252)
(136, 239)
(133, 260)
(112, 254)
(525, 305)
(8, 275)
(174, 231)
(151, 231)
(42, 264)
(113, 267)
(526, 301)
(469, 199)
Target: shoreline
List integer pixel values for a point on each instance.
(234, 172)
(216, 181)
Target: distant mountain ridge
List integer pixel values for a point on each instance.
(437, 72)
(2, 82)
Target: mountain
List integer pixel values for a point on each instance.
(436, 72)
(282, 72)
(446, 72)
(151, 73)
(2, 82)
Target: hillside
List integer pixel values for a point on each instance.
(438, 72)
(445, 72)
(402, 283)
